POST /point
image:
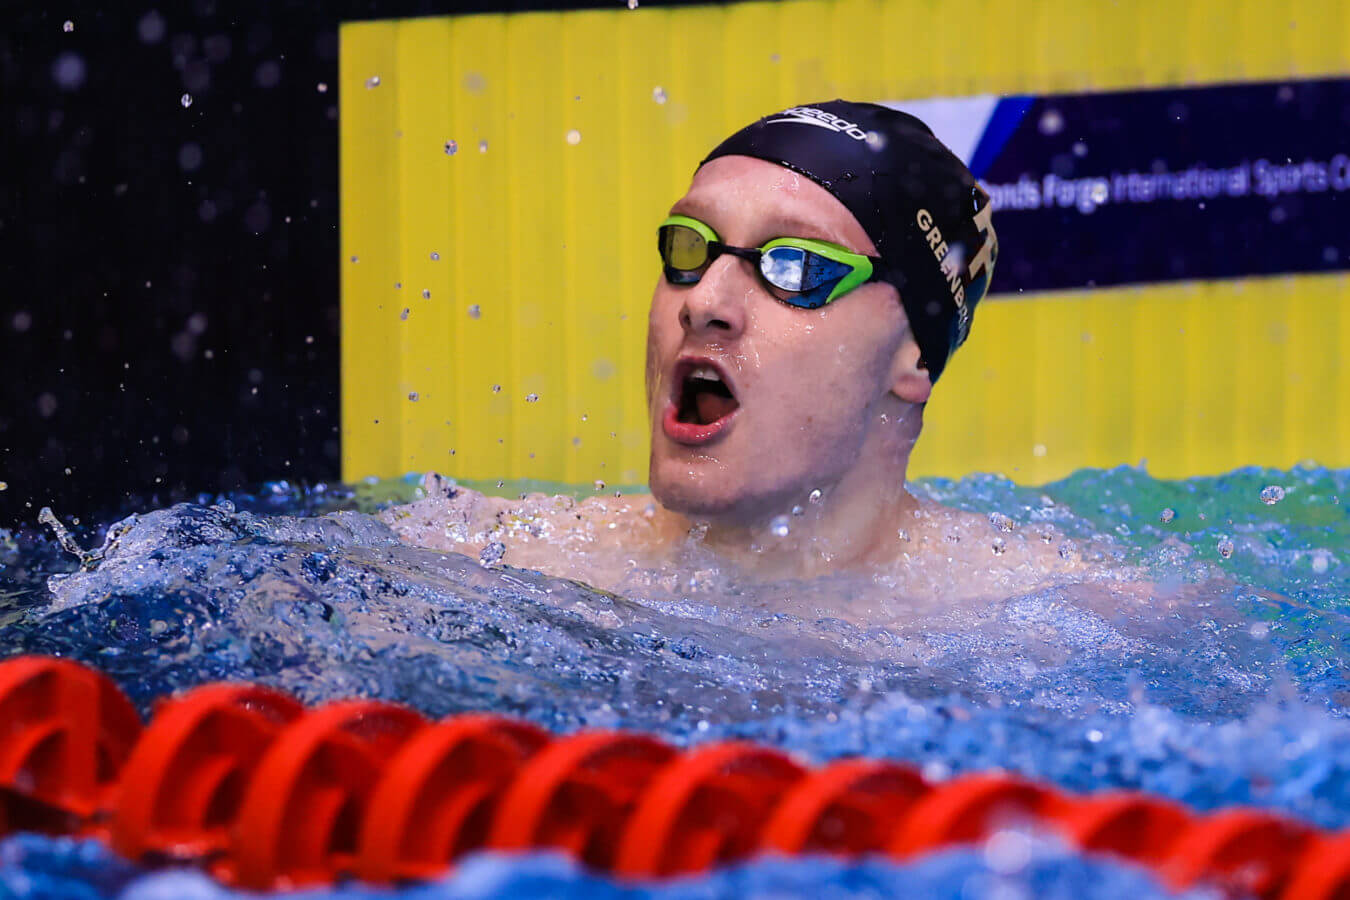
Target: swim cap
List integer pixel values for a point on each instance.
(928, 217)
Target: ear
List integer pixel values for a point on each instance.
(908, 376)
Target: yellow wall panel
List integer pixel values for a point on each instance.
(575, 131)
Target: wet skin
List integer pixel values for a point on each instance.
(825, 406)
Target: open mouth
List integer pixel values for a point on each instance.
(703, 396)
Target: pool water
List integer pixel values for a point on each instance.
(1226, 684)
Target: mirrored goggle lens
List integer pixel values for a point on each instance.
(799, 270)
(683, 248)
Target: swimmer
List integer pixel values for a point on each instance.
(817, 276)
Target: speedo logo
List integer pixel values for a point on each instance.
(809, 115)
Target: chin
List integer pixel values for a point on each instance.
(711, 495)
(682, 488)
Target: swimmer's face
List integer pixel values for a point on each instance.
(755, 403)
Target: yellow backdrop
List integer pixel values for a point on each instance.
(502, 176)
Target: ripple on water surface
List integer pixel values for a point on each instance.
(1225, 684)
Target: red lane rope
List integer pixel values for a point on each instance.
(245, 782)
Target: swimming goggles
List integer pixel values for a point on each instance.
(807, 273)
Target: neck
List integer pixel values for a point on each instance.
(847, 522)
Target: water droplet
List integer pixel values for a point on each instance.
(1001, 522)
(779, 526)
(1321, 561)
(435, 257)
(999, 546)
(574, 137)
(1272, 495)
(373, 81)
(68, 26)
(322, 87)
(632, 4)
(1052, 122)
(355, 259)
(404, 315)
(412, 395)
(426, 293)
(1167, 515)
(659, 94)
(814, 496)
(4, 485)
(492, 553)
(531, 398)
(451, 148)
(875, 140)
(797, 510)
(496, 389)
(482, 146)
(599, 485)
(1095, 736)
(903, 535)
(186, 100)
(1225, 548)
(1099, 192)
(475, 311)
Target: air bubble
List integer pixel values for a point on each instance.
(186, 100)
(1167, 515)
(1225, 548)
(779, 526)
(1272, 495)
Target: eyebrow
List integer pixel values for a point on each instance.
(786, 224)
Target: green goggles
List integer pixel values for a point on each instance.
(806, 273)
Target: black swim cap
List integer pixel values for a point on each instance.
(928, 217)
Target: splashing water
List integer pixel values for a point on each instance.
(1220, 680)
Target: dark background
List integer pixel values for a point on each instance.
(1218, 126)
(169, 274)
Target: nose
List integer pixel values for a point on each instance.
(714, 308)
